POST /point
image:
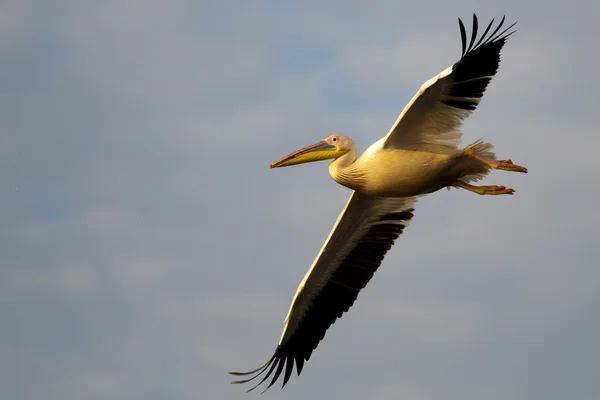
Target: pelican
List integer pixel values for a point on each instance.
(418, 156)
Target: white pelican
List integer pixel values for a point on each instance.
(418, 156)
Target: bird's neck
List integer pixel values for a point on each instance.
(343, 172)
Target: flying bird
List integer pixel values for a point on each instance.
(418, 156)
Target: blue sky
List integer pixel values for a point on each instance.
(146, 248)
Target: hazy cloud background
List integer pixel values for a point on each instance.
(146, 249)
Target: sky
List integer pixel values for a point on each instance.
(146, 248)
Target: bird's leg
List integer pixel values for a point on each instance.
(506, 165)
(490, 190)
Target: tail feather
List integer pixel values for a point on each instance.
(477, 169)
(483, 148)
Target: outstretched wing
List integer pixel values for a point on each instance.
(432, 119)
(356, 246)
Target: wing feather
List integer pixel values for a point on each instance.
(431, 120)
(366, 229)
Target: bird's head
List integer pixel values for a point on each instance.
(333, 146)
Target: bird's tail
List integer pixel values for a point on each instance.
(476, 170)
(482, 148)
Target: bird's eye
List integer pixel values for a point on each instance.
(334, 139)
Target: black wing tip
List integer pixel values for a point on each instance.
(463, 36)
(484, 39)
(275, 364)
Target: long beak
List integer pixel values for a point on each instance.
(317, 152)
